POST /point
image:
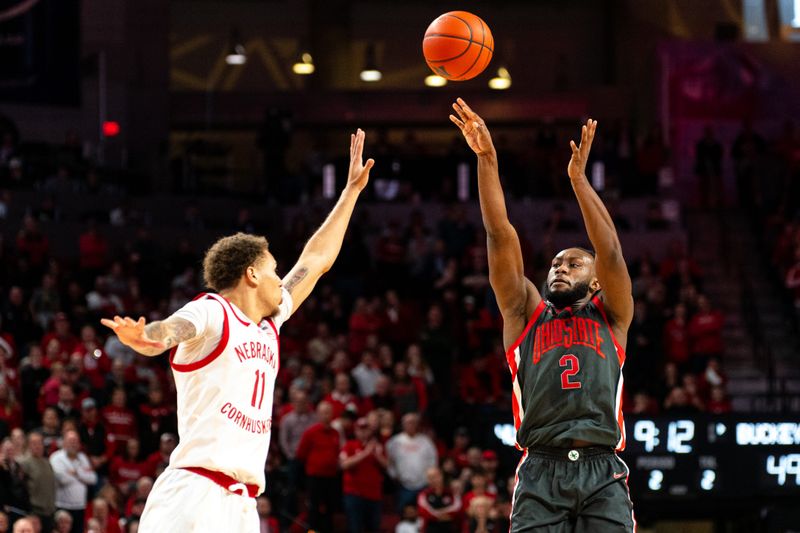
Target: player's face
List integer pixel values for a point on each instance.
(570, 277)
(269, 283)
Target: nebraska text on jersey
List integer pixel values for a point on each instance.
(256, 350)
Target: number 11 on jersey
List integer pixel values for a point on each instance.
(260, 376)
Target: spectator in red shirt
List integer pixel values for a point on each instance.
(719, 403)
(363, 322)
(342, 397)
(61, 332)
(438, 506)
(32, 243)
(460, 446)
(93, 249)
(410, 394)
(120, 421)
(676, 337)
(10, 411)
(94, 361)
(705, 334)
(479, 485)
(363, 461)
(480, 382)
(127, 468)
(319, 450)
(159, 459)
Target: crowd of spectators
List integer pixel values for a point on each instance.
(392, 375)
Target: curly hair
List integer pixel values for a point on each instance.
(229, 257)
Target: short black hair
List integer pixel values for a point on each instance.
(585, 250)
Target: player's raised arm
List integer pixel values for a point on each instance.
(322, 249)
(151, 339)
(516, 296)
(609, 262)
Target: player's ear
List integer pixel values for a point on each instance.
(595, 285)
(251, 275)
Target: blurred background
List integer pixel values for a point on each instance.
(133, 134)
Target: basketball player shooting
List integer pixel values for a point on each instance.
(565, 348)
(225, 359)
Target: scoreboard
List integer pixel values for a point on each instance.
(701, 457)
(711, 456)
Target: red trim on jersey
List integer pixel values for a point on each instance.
(225, 481)
(244, 322)
(534, 318)
(620, 350)
(621, 358)
(514, 490)
(277, 343)
(223, 341)
(512, 364)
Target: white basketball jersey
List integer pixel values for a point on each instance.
(225, 395)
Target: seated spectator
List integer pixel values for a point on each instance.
(410, 394)
(10, 410)
(61, 332)
(159, 459)
(479, 484)
(705, 334)
(119, 420)
(321, 346)
(140, 493)
(93, 434)
(63, 522)
(99, 513)
(410, 522)
(438, 506)
(155, 417)
(50, 430)
(342, 397)
(418, 367)
(410, 454)
(718, 403)
(479, 382)
(126, 468)
(679, 402)
(366, 373)
(460, 445)
(66, 402)
(676, 338)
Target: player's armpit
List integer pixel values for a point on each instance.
(171, 331)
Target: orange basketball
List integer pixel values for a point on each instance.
(458, 45)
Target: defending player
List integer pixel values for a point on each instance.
(565, 352)
(225, 360)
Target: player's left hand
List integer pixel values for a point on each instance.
(358, 175)
(580, 154)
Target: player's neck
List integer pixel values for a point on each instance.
(247, 302)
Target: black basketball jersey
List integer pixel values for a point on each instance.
(566, 370)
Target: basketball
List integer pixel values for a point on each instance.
(458, 45)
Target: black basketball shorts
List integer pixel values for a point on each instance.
(580, 490)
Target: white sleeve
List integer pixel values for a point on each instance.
(284, 309)
(208, 317)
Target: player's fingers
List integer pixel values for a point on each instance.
(574, 147)
(457, 122)
(462, 114)
(368, 165)
(463, 104)
(108, 323)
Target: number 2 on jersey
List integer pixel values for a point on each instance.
(262, 377)
(573, 365)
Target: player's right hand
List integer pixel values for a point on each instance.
(358, 175)
(472, 127)
(131, 333)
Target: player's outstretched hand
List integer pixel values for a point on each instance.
(131, 333)
(580, 154)
(359, 171)
(473, 127)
